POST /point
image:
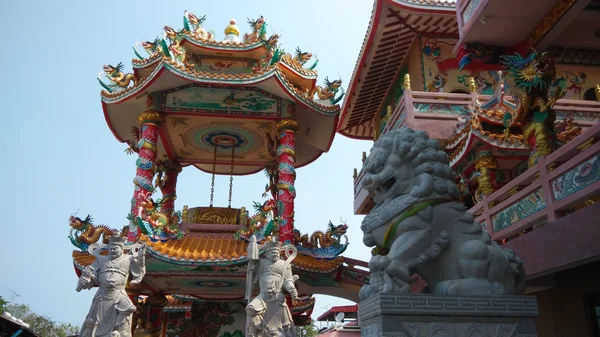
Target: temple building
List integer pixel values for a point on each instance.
(230, 106)
(511, 90)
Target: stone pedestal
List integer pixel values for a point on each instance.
(424, 315)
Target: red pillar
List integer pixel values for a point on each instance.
(287, 129)
(150, 121)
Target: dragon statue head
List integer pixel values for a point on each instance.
(195, 20)
(340, 230)
(404, 166)
(268, 206)
(152, 47)
(301, 56)
(532, 73)
(113, 71)
(78, 223)
(334, 85)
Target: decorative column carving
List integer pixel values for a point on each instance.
(150, 121)
(167, 182)
(287, 129)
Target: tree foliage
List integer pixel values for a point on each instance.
(307, 331)
(41, 325)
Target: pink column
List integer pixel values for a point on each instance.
(287, 129)
(150, 121)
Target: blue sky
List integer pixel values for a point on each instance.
(59, 156)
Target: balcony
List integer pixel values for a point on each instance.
(436, 113)
(495, 22)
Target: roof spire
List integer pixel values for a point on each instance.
(232, 32)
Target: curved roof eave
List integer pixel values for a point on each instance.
(127, 93)
(444, 8)
(427, 6)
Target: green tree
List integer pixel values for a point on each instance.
(3, 304)
(42, 325)
(307, 330)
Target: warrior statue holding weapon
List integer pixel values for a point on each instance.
(268, 315)
(111, 310)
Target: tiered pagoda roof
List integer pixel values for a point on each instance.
(201, 85)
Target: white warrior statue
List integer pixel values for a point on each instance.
(268, 315)
(111, 310)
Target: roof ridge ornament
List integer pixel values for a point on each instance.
(232, 32)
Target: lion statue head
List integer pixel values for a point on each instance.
(404, 166)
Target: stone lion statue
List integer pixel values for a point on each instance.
(418, 225)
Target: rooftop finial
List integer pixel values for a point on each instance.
(232, 32)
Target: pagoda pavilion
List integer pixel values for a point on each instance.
(232, 106)
(511, 90)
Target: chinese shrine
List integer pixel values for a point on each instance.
(233, 106)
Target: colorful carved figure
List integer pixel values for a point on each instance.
(154, 222)
(84, 233)
(193, 24)
(261, 224)
(328, 92)
(530, 81)
(419, 222)
(331, 237)
(177, 52)
(151, 47)
(566, 130)
(259, 30)
(117, 78)
(485, 175)
(111, 310)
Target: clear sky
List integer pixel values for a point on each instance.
(59, 156)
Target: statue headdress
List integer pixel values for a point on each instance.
(117, 240)
(272, 245)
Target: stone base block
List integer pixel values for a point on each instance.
(424, 315)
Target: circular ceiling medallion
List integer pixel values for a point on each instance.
(225, 137)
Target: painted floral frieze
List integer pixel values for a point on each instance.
(520, 210)
(577, 178)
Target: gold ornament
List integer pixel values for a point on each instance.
(151, 117)
(232, 29)
(287, 124)
(406, 84)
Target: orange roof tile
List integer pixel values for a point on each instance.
(214, 249)
(309, 263)
(200, 248)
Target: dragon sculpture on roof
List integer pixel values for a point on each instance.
(261, 224)
(118, 79)
(259, 30)
(193, 24)
(299, 59)
(328, 92)
(83, 232)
